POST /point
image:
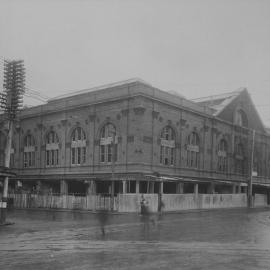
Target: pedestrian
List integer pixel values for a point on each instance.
(103, 216)
(143, 204)
(161, 204)
(145, 214)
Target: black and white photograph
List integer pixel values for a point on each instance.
(135, 134)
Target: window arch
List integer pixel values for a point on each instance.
(167, 146)
(222, 156)
(52, 149)
(239, 158)
(193, 150)
(108, 139)
(241, 118)
(29, 152)
(78, 146)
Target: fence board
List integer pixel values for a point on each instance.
(131, 202)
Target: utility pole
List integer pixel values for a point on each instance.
(250, 198)
(10, 103)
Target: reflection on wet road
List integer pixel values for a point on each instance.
(220, 239)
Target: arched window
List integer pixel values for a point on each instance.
(78, 146)
(222, 156)
(241, 118)
(239, 158)
(12, 155)
(167, 146)
(108, 144)
(29, 152)
(2, 148)
(52, 149)
(193, 150)
(257, 162)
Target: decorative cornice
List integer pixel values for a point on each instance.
(183, 122)
(39, 126)
(139, 110)
(92, 117)
(125, 112)
(214, 130)
(64, 122)
(206, 128)
(155, 114)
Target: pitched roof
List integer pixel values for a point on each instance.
(218, 102)
(105, 86)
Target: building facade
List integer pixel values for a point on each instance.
(131, 137)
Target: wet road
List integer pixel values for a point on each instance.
(218, 239)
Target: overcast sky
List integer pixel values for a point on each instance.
(197, 48)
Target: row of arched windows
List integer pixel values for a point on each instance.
(167, 151)
(78, 147)
(108, 153)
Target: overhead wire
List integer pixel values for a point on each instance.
(36, 93)
(35, 97)
(39, 93)
(41, 97)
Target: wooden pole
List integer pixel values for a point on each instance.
(3, 205)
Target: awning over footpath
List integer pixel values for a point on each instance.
(261, 184)
(188, 180)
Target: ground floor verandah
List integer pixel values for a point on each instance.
(122, 184)
(123, 192)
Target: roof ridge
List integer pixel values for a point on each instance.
(218, 96)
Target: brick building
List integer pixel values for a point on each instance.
(130, 137)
